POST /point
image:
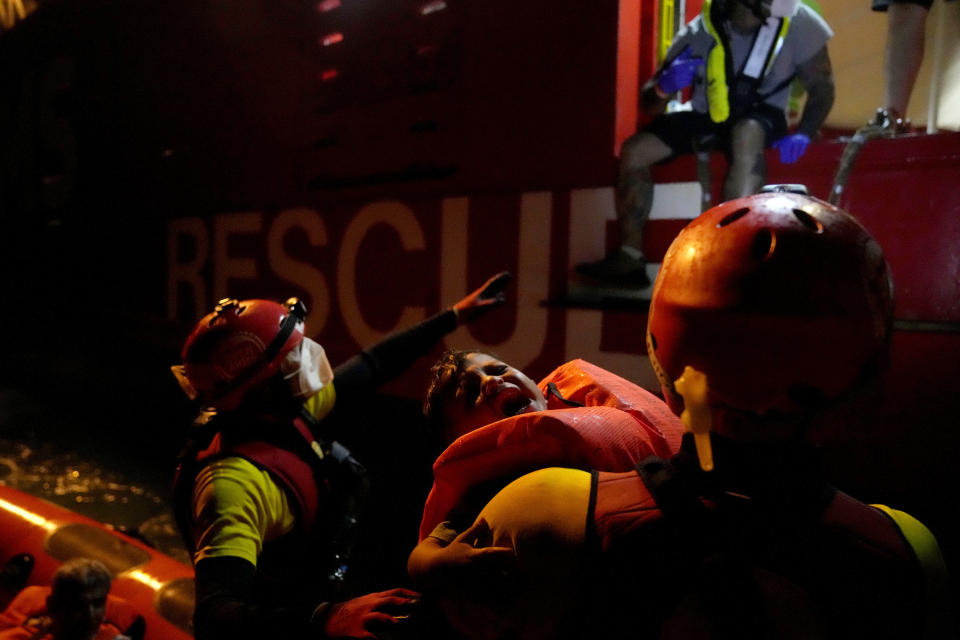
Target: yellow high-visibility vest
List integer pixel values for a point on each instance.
(765, 48)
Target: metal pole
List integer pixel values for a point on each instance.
(936, 74)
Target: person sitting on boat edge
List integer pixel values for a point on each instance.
(739, 59)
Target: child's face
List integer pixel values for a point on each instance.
(488, 390)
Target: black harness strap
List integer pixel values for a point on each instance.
(555, 392)
(674, 497)
(721, 578)
(738, 108)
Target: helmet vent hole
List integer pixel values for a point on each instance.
(808, 220)
(653, 341)
(733, 217)
(764, 242)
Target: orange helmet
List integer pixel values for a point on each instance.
(237, 346)
(783, 301)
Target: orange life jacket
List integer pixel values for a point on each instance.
(620, 425)
(19, 620)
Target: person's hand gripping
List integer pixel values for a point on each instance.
(679, 74)
(489, 296)
(792, 147)
(363, 617)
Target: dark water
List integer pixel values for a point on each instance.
(44, 453)
(118, 470)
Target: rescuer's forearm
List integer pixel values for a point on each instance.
(817, 77)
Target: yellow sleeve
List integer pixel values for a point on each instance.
(321, 403)
(236, 508)
(939, 611)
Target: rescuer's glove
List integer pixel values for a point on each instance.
(487, 297)
(363, 616)
(679, 73)
(792, 147)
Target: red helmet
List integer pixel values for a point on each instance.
(782, 300)
(238, 346)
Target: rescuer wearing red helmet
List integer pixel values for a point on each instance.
(265, 498)
(770, 320)
(769, 328)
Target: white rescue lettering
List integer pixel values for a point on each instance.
(302, 274)
(401, 218)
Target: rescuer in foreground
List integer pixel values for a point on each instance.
(267, 501)
(739, 59)
(768, 330)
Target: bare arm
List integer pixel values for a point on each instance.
(816, 75)
(420, 564)
(438, 564)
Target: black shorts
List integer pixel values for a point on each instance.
(883, 5)
(679, 129)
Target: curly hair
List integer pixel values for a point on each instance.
(444, 379)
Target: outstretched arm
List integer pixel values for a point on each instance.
(393, 355)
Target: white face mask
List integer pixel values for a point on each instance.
(306, 369)
(784, 8)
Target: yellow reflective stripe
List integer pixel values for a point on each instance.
(938, 619)
(667, 21)
(784, 27)
(718, 97)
